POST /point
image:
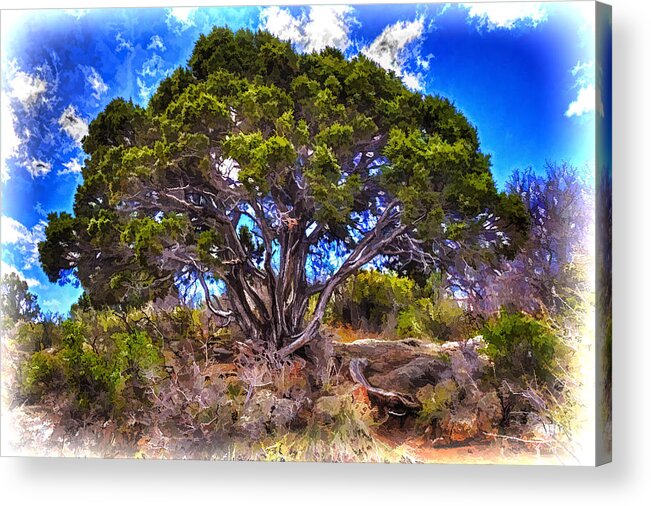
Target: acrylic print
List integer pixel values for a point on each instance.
(365, 233)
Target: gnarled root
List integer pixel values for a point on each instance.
(395, 403)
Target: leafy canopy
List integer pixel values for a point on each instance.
(16, 301)
(253, 164)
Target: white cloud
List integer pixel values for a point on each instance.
(412, 81)
(9, 140)
(123, 44)
(584, 102)
(8, 269)
(23, 87)
(391, 50)
(586, 12)
(143, 90)
(153, 69)
(179, 19)
(25, 240)
(71, 167)
(73, 124)
(586, 98)
(77, 13)
(38, 168)
(156, 43)
(22, 93)
(40, 210)
(507, 14)
(12, 231)
(52, 304)
(95, 81)
(322, 26)
(153, 66)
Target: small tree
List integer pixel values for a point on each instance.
(253, 164)
(548, 273)
(16, 301)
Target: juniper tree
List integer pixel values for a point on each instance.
(16, 301)
(253, 164)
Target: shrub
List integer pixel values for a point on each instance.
(37, 336)
(97, 374)
(521, 346)
(368, 298)
(397, 306)
(41, 373)
(436, 401)
(92, 378)
(136, 354)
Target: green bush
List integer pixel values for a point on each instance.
(521, 346)
(136, 353)
(369, 297)
(37, 336)
(95, 380)
(396, 305)
(41, 373)
(98, 374)
(436, 401)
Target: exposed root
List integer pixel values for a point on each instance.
(396, 403)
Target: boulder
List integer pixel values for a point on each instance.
(411, 376)
(406, 365)
(396, 371)
(461, 425)
(489, 412)
(384, 356)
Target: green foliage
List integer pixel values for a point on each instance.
(59, 240)
(43, 372)
(436, 401)
(136, 354)
(17, 303)
(38, 336)
(93, 378)
(169, 88)
(147, 236)
(99, 363)
(293, 142)
(521, 346)
(437, 317)
(388, 303)
(208, 244)
(116, 125)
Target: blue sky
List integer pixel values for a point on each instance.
(523, 73)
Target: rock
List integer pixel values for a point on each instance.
(413, 375)
(467, 363)
(476, 343)
(450, 346)
(283, 413)
(408, 366)
(460, 426)
(489, 412)
(385, 356)
(401, 366)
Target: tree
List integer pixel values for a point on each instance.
(548, 273)
(254, 166)
(16, 301)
